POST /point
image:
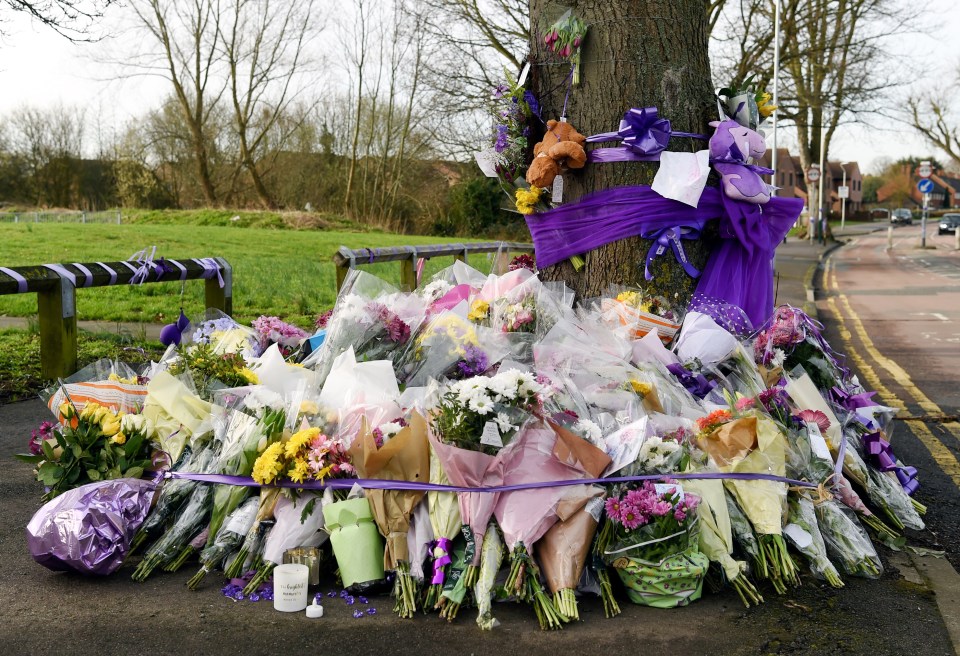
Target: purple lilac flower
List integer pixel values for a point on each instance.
(473, 363)
(532, 102)
(501, 144)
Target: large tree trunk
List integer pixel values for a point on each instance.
(637, 53)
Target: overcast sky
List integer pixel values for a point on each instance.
(38, 67)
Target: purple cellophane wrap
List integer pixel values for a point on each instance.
(88, 529)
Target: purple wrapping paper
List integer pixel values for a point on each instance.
(88, 529)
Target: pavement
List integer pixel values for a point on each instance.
(60, 613)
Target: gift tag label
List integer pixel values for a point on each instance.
(798, 536)
(487, 161)
(817, 443)
(557, 196)
(669, 488)
(523, 75)
(594, 508)
(491, 435)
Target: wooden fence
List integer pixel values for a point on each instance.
(55, 286)
(346, 259)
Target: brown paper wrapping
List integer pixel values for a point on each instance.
(563, 550)
(770, 376)
(732, 441)
(573, 450)
(651, 402)
(405, 457)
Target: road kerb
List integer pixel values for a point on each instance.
(944, 581)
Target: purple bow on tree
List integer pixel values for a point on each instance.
(665, 238)
(643, 135)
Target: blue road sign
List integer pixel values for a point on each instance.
(925, 186)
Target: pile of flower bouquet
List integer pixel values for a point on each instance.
(483, 424)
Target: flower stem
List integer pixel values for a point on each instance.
(610, 606)
(197, 578)
(236, 567)
(179, 561)
(263, 572)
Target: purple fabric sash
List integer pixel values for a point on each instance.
(383, 484)
(643, 135)
(739, 269)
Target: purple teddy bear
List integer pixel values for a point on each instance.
(730, 147)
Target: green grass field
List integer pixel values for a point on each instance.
(287, 273)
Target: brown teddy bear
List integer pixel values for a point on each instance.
(561, 148)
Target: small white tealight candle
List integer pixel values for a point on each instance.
(290, 587)
(315, 610)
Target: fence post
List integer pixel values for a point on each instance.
(408, 273)
(16, 218)
(83, 217)
(36, 217)
(57, 312)
(118, 217)
(216, 296)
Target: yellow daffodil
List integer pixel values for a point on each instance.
(764, 106)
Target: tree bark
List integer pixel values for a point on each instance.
(637, 53)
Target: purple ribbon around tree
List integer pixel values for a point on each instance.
(739, 268)
(882, 453)
(643, 136)
(441, 547)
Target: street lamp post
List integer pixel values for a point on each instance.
(843, 199)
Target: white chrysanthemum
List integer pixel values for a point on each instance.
(778, 358)
(390, 429)
(435, 290)
(503, 423)
(481, 406)
(589, 430)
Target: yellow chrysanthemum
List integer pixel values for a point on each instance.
(268, 465)
(309, 408)
(299, 440)
(249, 376)
(479, 310)
(527, 199)
(300, 471)
(640, 387)
(117, 379)
(629, 298)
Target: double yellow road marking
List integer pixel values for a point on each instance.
(940, 453)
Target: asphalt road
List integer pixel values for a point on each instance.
(56, 613)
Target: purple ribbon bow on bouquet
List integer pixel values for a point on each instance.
(696, 384)
(671, 238)
(886, 461)
(442, 546)
(643, 135)
(851, 401)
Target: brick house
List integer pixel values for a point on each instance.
(792, 182)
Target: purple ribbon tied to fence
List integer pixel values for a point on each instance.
(883, 456)
(643, 135)
(671, 238)
(441, 555)
(144, 259)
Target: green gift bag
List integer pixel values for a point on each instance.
(675, 581)
(356, 542)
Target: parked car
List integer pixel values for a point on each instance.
(901, 216)
(948, 223)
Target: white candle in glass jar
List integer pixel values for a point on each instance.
(290, 587)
